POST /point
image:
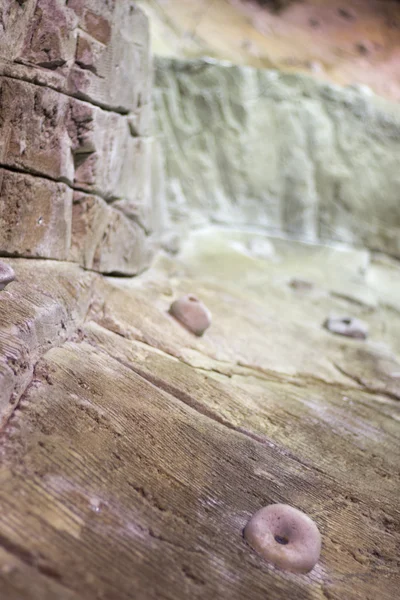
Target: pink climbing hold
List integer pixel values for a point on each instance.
(191, 313)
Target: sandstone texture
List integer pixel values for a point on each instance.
(35, 215)
(134, 453)
(278, 152)
(75, 85)
(105, 240)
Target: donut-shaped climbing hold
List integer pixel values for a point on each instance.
(347, 326)
(284, 536)
(192, 313)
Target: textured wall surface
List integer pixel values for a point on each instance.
(75, 145)
(133, 453)
(343, 43)
(282, 152)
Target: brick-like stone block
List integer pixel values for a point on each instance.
(146, 203)
(103, 148)
(105, 240)
(35, 216)
(33, 132)
(74, 105)
(50, 134)
(134, 186)
(92, 49)
(38, 33)
(108, 160)
(113, 49)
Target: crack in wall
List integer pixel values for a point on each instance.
(367, 387)
(73, 186)
(79, 96)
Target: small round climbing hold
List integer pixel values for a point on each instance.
(347, 326)
(192, 313)
(285, 536)
(7, 275)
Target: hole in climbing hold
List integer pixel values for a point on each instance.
(281, 540)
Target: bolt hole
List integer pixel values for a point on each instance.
(193, 299)
(281, 539)
(346, 321)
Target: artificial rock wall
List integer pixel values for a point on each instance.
(280, 152)
(76, 156)
(82, 177)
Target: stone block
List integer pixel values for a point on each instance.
(134, 185)
(39, 33)
(105, 240)
(104, 150)
(35, 216)
(33, 132)
(98, 51)
(102, 75)
(74, 104)
(47, 133)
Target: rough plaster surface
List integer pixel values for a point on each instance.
(280, 152)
